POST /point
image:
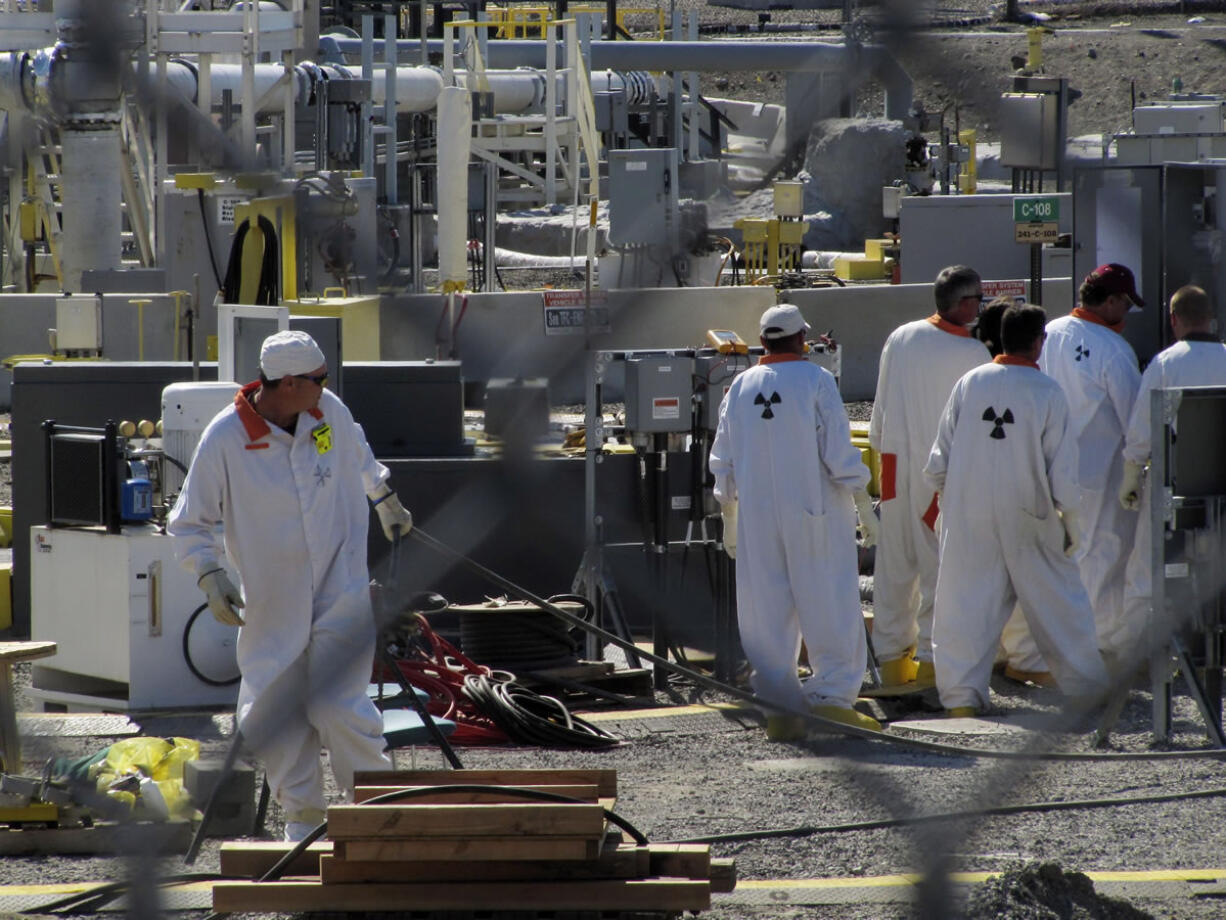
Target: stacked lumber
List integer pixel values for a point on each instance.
(475, 850)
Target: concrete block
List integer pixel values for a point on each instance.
(851, 268)
(234, 810)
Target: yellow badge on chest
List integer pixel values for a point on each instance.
(321, 434)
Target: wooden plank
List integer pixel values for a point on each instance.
(723, 875)
(252, 858)
(659, 894)
(347, 822)
(681, 860)
(25, 651)
(586, 793)
(480, 849)
(604, 780)
(614, 862)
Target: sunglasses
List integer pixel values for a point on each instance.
(319, 380)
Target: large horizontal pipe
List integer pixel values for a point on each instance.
(800, 57)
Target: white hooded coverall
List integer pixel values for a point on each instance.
(295, 517)
(920, 364)
(1097, 370)
(1004, 461)
(1198, 360)
(783, 450)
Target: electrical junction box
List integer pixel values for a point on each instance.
(713, 375)
(78, 323)
(1179, 118)
(359, 318)
(132, 629)
(1029, 130)
(658, 389)
(789, 198)
(643, 204)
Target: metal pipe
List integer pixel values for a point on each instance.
(801, 57)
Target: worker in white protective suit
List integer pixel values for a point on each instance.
(1004, 461)
(783, 456)
(1198, 358)
(1020, 658)
(1097, 370)
(921, 362)
(285, 473)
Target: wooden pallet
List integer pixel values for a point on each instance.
(475, 852)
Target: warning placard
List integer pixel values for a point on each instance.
(666, 407)
(1014, 289)
(566, 312)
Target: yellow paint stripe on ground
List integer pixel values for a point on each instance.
(665, 712)
(871, 881)
(890, 881)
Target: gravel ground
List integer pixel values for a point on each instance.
(678, 782)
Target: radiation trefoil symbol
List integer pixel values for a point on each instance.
(761, 400)
(998, 422)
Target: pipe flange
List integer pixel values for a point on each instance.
(91, 121)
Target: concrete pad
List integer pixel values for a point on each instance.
(943, 726)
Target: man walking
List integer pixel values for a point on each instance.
(1004, 464)
(1097, 370)
(920, 363)
(285, 473)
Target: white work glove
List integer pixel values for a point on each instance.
(870, 526)
(224, 598)
(392, 515)
(728, 510)
(1130, 488)
(1069, 520)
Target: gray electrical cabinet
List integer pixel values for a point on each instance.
(1118, 216)
(658, 389)
(713, 375)
(643, 197)
(1029, 130)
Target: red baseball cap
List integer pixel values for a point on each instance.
(1116, 279)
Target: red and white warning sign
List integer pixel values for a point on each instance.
(666, 407)
(1014, 289)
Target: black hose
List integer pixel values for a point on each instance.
(809, 718)
(208, 237)
(530, 718)
(108, 891)
(811, 830)
(187, 654)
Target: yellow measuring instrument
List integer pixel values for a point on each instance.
(727, 342)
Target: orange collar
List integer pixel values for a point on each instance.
(780, 359)
(1014, 361)
(255, 424)
(946, 326)
(1082, 313)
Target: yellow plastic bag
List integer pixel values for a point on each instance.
(158, 759)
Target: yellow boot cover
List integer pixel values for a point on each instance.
(781, 727)
(961, 712)
(925, 674)
(847, 716)
(898, 670)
